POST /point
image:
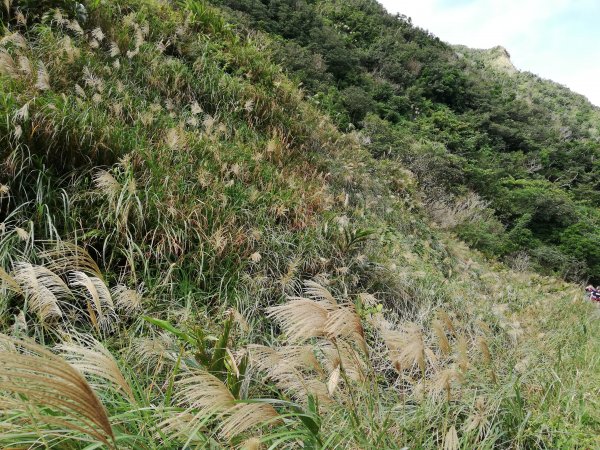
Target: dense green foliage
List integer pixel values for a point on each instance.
(462, 120)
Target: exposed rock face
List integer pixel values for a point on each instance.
(501, 59)
(496, 58)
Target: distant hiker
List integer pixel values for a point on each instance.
(593, 292)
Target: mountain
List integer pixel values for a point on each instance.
(283, 224)
(465, 122)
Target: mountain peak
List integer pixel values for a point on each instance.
(497, 58)
(498, 49)
(500, 59)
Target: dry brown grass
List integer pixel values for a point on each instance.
(51, 392)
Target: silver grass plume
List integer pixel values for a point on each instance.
(43, 289)
(50, 392)
(92, 359)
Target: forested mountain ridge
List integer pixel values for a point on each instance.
(573, 114)
(195, 253)
(462, 120)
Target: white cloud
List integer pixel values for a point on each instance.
(537, 33)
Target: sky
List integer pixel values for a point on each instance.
(555, 39)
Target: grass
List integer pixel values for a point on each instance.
(191, 246)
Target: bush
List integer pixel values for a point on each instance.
(357, 102)
(582, 242)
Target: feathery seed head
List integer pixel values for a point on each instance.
(132, 53)
(344, 354)
(20, 17)
(98, 297)
(334, 379)
(114, 49)
(451, 441)
(154, 352)
(69, 50)
(22, 234)
(15, 39)
(43, 290)
(10, 282)
(51, 391)
(7, 65)
(92, 359)
(58, 17)
(139, 36)
(444, 381)
(479, 419)
(63, 256)
(343, 322)
(251, 444)
(98, 34)
(196, 108)
(438, 328)
(368, 300)
(20, 326)
(406, 347)
(79, 91)
(107, 184)
(129, 301)
(445, 318)
(462, 350)
(74, 26)
(484, 349)
(43, 79)
(242, 417)
(25, 65)
(22, 113)
(318, 292)
(301, 318)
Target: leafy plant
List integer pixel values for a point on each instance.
(211, 353)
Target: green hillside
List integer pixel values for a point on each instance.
(463, 121)
(195, 252)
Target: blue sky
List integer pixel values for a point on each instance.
(556, 39)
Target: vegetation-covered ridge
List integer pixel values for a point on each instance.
(508, 161)
(192, 255)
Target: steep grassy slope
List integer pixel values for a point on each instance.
(193, 256)
(474, 135)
